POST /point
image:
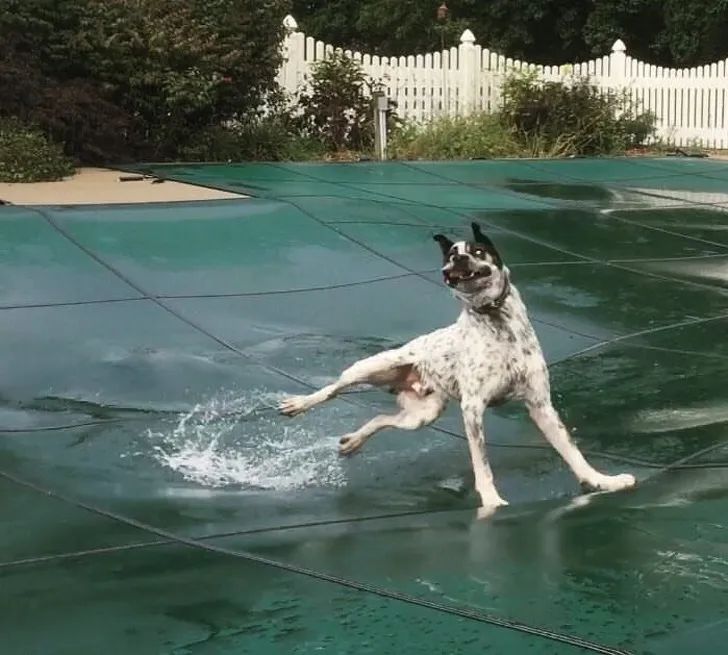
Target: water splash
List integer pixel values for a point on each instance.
(240, 441)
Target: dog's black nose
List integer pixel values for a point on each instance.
(459, 258)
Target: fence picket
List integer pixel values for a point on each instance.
(691, 105)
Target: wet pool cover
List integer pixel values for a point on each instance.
(152, 501)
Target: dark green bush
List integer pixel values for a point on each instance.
(268, 138)
(26, 155)
(570, 117)
(337, 109)
(120, 79)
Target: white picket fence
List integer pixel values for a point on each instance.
(690, 104)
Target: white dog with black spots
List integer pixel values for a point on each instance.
(490, 355)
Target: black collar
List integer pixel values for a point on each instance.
(496, 305)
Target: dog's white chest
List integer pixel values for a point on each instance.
(480, 352)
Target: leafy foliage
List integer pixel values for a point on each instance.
(475, 137)
(137, 78)
(695, 31)
(266, 138)
(336, 109)
(26, 155)
(553, 119)
(180, 66)
(665, 32)
(570, 118)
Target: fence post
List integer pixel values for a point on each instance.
(467, 69)
(618, 64)
(287, 75)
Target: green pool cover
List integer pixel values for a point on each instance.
(152, 501)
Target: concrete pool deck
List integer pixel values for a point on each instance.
(103, 186)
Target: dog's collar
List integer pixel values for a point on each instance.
(495, 305)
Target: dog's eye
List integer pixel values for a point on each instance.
(479, 252)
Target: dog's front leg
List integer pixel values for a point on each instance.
(473, 419)
(547, 420)
(358, 373)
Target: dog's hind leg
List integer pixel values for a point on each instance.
(416, 412)
(373, 368)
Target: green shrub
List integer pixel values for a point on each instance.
(273, 137)
(133, 79)
(337, 109)
(26, 155)
(476, 136)
(570, 117)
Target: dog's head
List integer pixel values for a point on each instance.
(473, 269)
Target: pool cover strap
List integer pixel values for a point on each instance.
(472, 615)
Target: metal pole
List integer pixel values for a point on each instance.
(381, 107)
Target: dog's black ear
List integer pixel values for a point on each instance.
(445, 243)
(489, 245)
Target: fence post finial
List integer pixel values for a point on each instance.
(289, 22)
(467, 72)
(617, 65)
(467, 37)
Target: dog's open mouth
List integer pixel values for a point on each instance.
(454, 277)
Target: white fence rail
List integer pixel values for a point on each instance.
(690, 104)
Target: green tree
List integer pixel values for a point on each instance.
(182, 66)
(695, 32)
(147, 72)
(665, 32)
(637, 22)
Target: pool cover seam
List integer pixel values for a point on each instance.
(613, 215)
(255, 558)
(161, 304)
(588, 349)
(548, 202)
(598, 454)
(77, 554)
(565, 205)
(282, 372)
(234, 349)
(177, 314)
(515, 233)
(526, 161)
(598, 262)
(382, 592)
(557, 205)
(534, 163)
(402, 201)
(394, 262)
(226, 535)
(649, 194)
(285, 373)
(386, 278)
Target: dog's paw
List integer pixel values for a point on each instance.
(350, 443)
(492, 499)
(490, 506)
(293, 405)
(611, 482)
